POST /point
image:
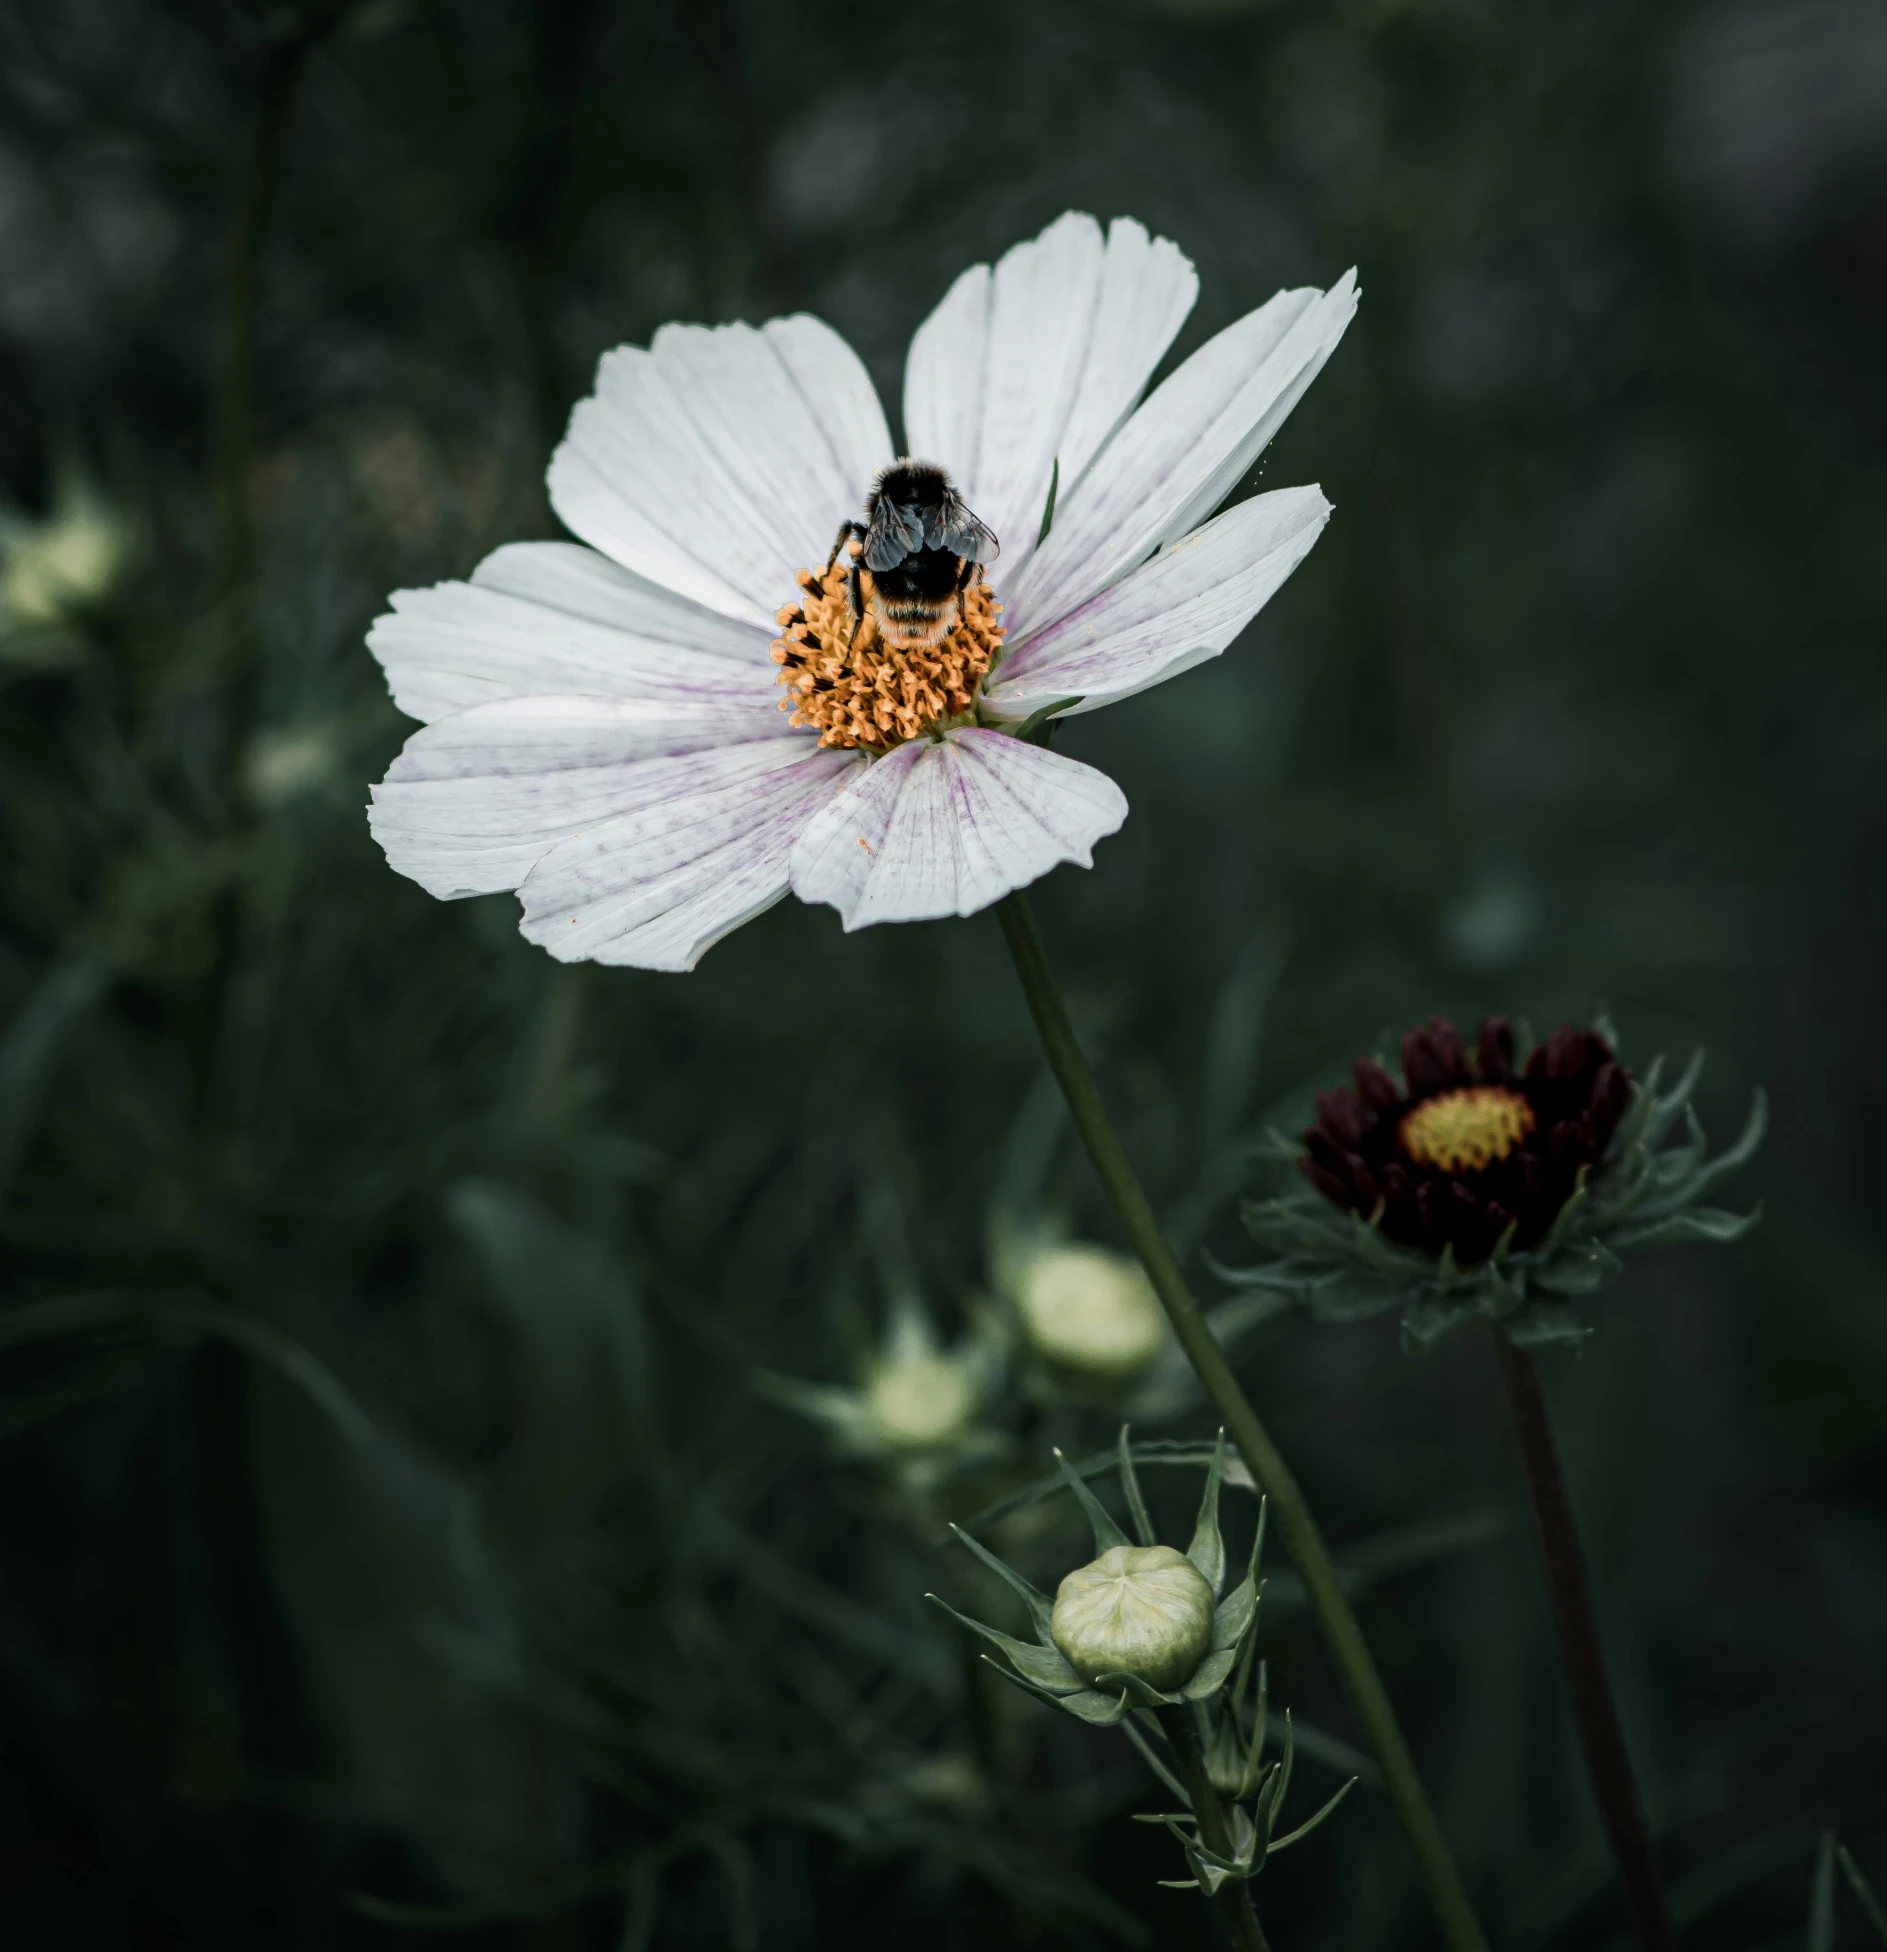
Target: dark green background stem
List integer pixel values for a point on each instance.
(1608, 1762)
(1233, 1899)
(1301, 1537)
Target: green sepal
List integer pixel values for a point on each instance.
(1130, 1489)
(1041, 716)
(1710, 1223)
(1107, 1534)
(1662, 1112)
(1210, 1675)
(1234, 1614)
(1090, 1705)
(1549, 1325)
(1424, 1323)
(1582, 1270)
(1047, 1667)
(1303, 1830)
(1138, 1691)
(1755, 1129)
(1271, 1796)
(1048, 507)
(1563, 1221)
(1210, 1870)
(1207, 1550)
(1037, 1603)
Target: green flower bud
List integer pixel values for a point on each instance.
(1142, 1610)
(284, 763)
(71, 559)
(1090, 1311)
(920, 1402)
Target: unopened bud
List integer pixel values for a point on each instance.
(1142, 1610)
(1090, 1311)
(72, 559)
(920, 1402)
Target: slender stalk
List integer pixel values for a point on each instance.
(1608, 1763)
(277, 81)
(1232, 1900)
(1344, 1637)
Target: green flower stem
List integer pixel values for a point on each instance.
(1608, 1763)
(1301, 1537)
(1233, 1897)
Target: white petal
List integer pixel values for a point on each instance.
(1039, 362)
(656, 888)
(945, 827)
(1148, 286)
(1183, 452)
(543, 617)
(479, 798)
(722, 459)
(839, 390)
(1176, 611)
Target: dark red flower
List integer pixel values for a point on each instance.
(1466, 1146)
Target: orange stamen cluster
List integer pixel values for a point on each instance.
(867, 690)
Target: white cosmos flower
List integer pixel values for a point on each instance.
(603, 728)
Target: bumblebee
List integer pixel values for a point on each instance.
(923, 548)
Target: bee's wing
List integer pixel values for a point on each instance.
(895, 532)
(953, 527)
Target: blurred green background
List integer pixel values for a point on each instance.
(395, 1535)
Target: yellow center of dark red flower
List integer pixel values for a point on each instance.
(855, 687)
(1467, 1130)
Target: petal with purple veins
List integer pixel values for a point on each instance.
(1182, 453)
(553, 617)
(947, 826)
(720, 459)
(1167, 616)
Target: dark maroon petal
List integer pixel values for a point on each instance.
(1397, 1185)
(1367, 1191)
(1450, 1050)
(1495, 1048)
(1325, 1150)
(1611, 1092)
(1332, 1188)
(1594, 1056)
(1423, 1065)
(1374, 1085)
(1342, 1114)
(1565, 1054)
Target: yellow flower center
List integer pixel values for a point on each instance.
(1463, 1131)
(855, 687)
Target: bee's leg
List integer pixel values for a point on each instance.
(965, 577)
(847, 530)
(856, 596)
